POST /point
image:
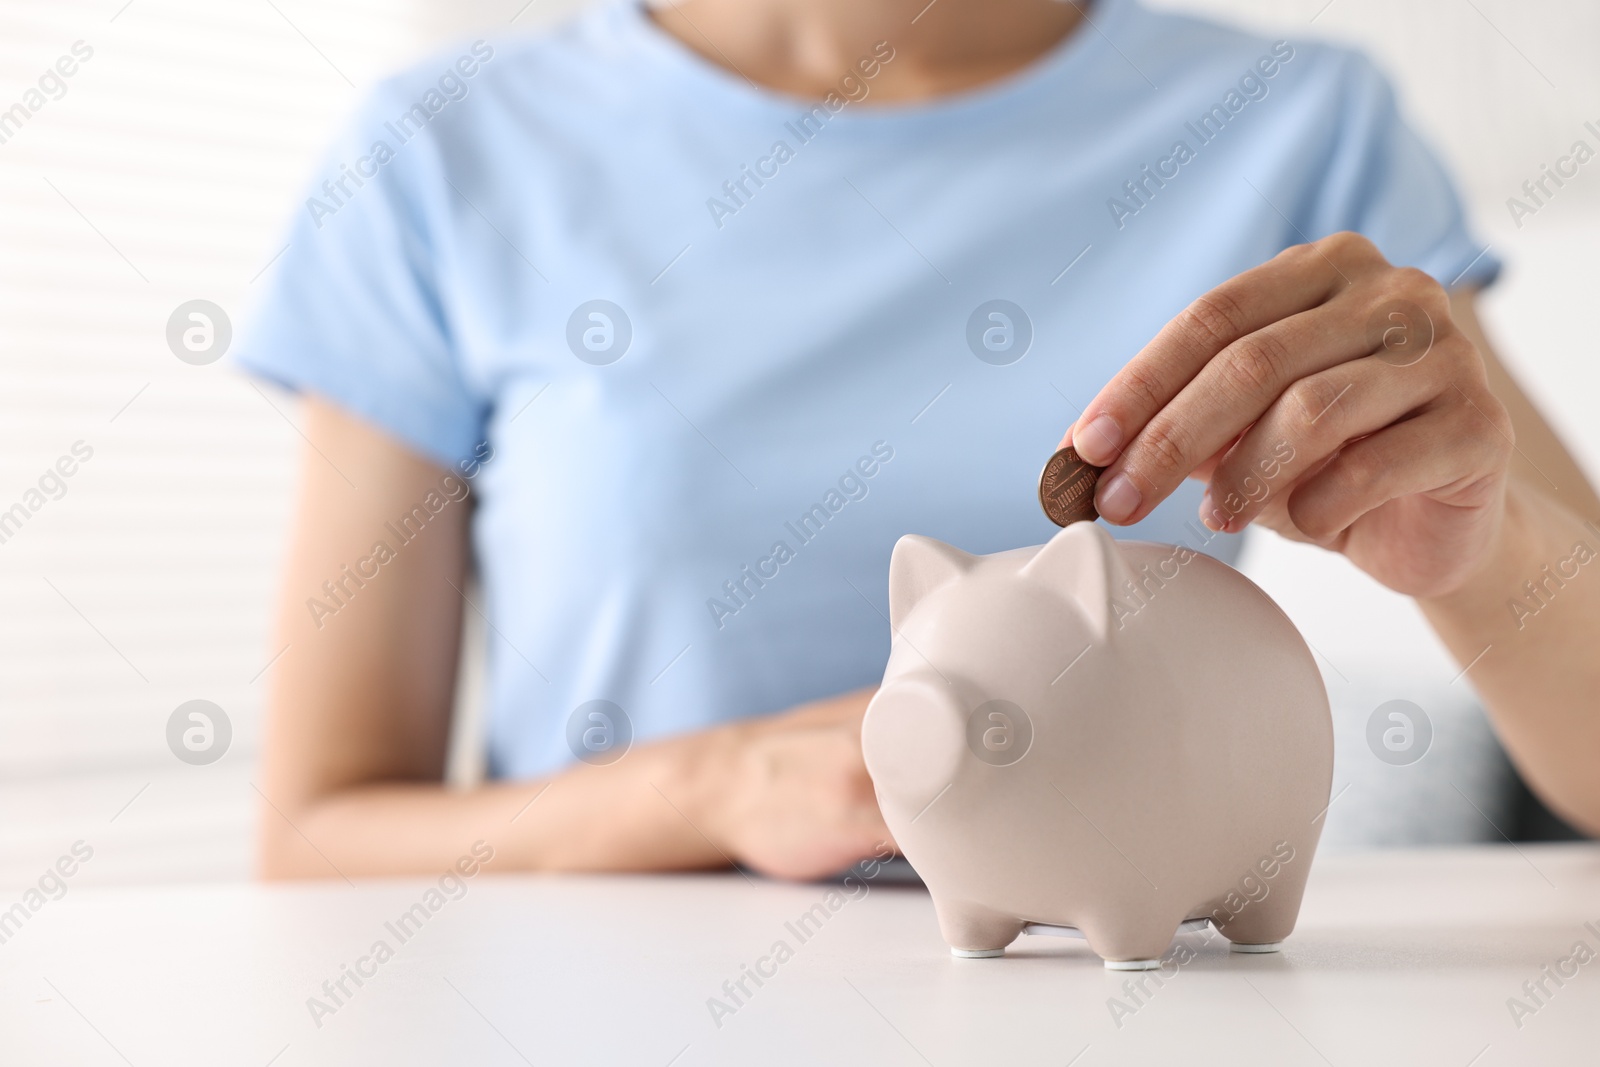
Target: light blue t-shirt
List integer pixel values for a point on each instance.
(725, 346)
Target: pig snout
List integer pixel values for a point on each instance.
(912, 739)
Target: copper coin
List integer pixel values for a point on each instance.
(1066, 488)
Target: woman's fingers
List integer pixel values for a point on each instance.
(1444, 457)
(1234, 389)
(1293, 281)
(1309, 423)
(1327, 394)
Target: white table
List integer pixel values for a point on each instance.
(1400, 957)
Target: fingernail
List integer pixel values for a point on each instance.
(1118, 499)
(1212, 515)
(1099, 441)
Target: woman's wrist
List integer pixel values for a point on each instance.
(1520, 544)
(705, 774)
(1540, 549)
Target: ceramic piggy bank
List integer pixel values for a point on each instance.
(1102, 739)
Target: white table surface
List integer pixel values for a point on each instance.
(1400, 957)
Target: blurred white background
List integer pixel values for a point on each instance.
(166, 171)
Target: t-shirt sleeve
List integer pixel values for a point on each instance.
(1383, 181)
(354, 312)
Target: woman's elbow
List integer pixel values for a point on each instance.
(285, 854)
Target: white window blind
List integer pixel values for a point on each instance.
(161, 170)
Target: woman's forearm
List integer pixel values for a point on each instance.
(1527, 628)
(644, 812)
(359, 720)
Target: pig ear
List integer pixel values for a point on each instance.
(918, 567)
(1082, 563)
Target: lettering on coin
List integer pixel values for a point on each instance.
(1066, 488)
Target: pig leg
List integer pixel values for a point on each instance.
(1131, 944)
(975, 932)
(1261, 925)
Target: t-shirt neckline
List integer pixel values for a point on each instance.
(729, 90)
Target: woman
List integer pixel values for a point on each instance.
(710, 303)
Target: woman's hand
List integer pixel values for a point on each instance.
(796, 801)
(1327, 395)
